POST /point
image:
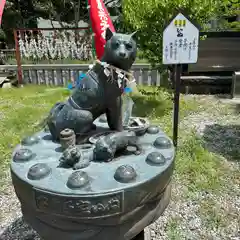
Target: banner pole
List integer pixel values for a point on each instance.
(93, 43)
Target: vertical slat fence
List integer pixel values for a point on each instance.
(61, 74)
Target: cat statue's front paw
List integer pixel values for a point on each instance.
(137, 152)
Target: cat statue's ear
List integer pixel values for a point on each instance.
(133, 34)
(109, 34)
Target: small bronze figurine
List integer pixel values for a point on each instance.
(107, 146)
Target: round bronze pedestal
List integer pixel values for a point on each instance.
(114, 200)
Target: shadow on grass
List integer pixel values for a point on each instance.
(228, 98)
(223, 140)
(237, 109)
(223, 96)
(19, 229)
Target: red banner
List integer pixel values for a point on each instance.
(2, 5)
(100, 21)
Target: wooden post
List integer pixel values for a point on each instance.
(18, 57)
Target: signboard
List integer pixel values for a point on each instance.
(180, 41)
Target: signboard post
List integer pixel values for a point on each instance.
(180, 46)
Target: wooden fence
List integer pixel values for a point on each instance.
(61, 74)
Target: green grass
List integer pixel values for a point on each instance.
(213, 215)
(20, 111)
(173, 231)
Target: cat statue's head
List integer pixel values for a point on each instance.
(120, 50)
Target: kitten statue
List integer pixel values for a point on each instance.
(107, 146)
(98, 92)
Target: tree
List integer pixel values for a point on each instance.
(115, 10)
(27, 11)
(11, 19)
(24, 14)
(68, 11)
(229, 15)
(149, 17)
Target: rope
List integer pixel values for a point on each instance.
(117, 70)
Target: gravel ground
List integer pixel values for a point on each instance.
(202, 216)
(183, 220)
(207, 215)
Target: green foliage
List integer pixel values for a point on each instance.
(229, 9)
(150, 17)
(2, 34)
(151, 102)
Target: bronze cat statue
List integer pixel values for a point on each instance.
(98, 92)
